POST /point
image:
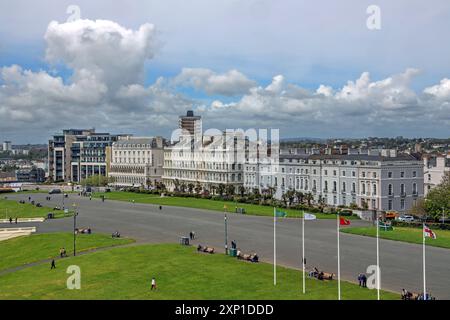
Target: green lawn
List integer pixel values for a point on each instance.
(208, 204)
(180, 272)
(412, 235)
(12, 208)
(19, 251)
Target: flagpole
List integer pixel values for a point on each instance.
(303, 250)
(274, 248)
(378, 258)
(424, 271)
(339, 259)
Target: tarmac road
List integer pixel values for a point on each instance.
(400, 263)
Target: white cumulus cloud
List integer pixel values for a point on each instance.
(230, 83)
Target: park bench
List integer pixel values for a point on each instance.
(415, 296)
(83, 231)
(385, 226)
(247, 257)
(205, 249)
(321, 275)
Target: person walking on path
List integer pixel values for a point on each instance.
(360, 279)
(53, 266)
(10, 220)
(153, 284)
(364, 281)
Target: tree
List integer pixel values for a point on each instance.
(419, 209)
(242, 190)
(191, 187)
(300, 196)
(96, 181)
(198, 188)
(309, 198)
(176, 183)
(230, 190)
(221, 189)
(438, 199)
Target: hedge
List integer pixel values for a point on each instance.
(432, 225)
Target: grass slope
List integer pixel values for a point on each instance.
(208, 204)
(19, 251)
(412, 235)
(12, 208)
(181, 273)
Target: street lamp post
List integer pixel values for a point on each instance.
(75, 214)
(226, 234)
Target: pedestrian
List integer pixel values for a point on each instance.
(193, 235)
(190, 235)
(364, 281)
(10, 220)
(53, 266)
(153, 284)
(160, 207)
(360, 279)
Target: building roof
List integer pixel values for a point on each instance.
(142, 141)
(354, 157)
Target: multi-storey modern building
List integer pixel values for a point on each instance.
(136, 162)
(76, 154)
(191, 124)
(436, 165)
(7, 146)
(389, 182)
(32, 174)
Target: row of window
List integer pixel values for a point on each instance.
(402, 189)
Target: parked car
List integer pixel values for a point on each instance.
(55, 191)
(406, 218)
(444, 220)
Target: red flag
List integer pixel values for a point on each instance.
(428, 233)
(344, 222)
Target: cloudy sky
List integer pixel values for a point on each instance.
(310, 68)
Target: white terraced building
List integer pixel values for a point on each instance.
(136, 162)
(436, 166)
(378, 182)
(209, 161)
